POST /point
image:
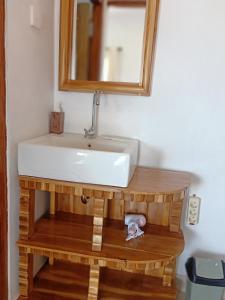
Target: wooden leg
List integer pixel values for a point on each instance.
(168, 274)
(52, 212)
(25, 272)
(52, 203)
(27, 211)
(51, 261)
(175, 212)
(98, 224)
(93, 282)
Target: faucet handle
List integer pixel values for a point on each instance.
(85, 132)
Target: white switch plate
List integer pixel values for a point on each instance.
(35, 15)
(193, 210)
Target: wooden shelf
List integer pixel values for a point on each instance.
(66, 281)
(145, 181)
(72, 234)
(92, 235)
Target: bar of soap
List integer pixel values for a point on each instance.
(57, 122)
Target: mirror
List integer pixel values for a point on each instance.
(107, 45)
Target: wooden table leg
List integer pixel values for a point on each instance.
(52, 212)
(168, 274)
(94, 282)
(98, 224)
(27, 211)
(52, 203)
(175, 212)
(51, 260)
(25, 272)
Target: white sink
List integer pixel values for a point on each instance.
(72, 157)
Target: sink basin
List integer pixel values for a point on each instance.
(104, 160)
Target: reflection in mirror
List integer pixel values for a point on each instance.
(107, 42)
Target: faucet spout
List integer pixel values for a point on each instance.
(92, 131)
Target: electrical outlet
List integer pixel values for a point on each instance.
(193, 210)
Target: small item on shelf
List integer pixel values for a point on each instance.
(134, 222)
(57, 121)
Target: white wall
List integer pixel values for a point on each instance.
(29, 56)
(181, 126)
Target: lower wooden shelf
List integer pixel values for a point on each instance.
(71, 235)
(67, 281)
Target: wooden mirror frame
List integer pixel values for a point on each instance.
(3, 167)
(142, 88)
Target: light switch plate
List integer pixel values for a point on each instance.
(35, 15)
(193, 210)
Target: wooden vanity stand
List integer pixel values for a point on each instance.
(83, 238)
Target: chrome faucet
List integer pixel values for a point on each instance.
(92, 132)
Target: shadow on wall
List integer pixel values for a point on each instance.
(153, 156)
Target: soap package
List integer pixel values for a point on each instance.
(134, 222)
(57, 122)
